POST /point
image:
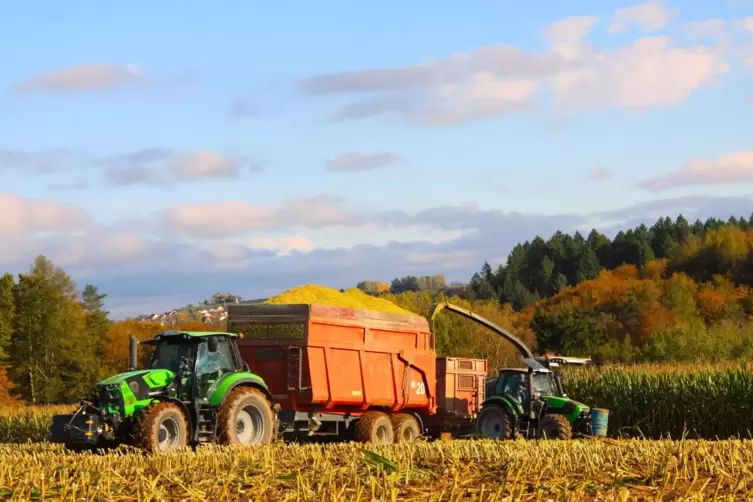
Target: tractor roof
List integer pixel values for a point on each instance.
(523, 370)
(197, 334)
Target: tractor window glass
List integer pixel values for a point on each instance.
(168, 356)
(542, 384)
(514, 385)
(213, 365)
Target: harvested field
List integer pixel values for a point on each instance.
(458, 470)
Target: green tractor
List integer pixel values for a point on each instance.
(529, 402)
(196, 390)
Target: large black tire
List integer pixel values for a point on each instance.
(375, 427)
(161, 427)
(406, 428)
(494, 422)
(245, 418)
(555, 426)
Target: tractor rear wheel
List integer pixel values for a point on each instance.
(245, 418)
(375, 427)
(161, 427)
(406, 428)
(555, 426)
(494, 422)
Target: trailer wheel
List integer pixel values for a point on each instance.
(494, 422)
(375, 427)
(245, 418)
(161, 427)
(406, 428)
(555, 426)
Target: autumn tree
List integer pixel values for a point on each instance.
(50, 351)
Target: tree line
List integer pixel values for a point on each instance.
(408, 283)
(541, 269)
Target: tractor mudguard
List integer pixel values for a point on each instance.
(507, 403)
(233, 380)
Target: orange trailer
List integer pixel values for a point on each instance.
(368, 375)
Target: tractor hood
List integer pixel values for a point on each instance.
(125, 393)
(152, 378)
(566, 406)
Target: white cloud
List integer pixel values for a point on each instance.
(202, 164)
(649, 16)
(500, 80)
(482, 95)
(218, 218)
(570, 29)
(645, 74)
(96, 248)
(282, 245)
(726, 169)
(748, 23)
(710, 28)
(600, 174)
(21, 215)
(80, 78)
(362, 161)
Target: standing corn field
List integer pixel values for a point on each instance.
(654, 401)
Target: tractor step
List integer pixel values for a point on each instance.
(206, 428)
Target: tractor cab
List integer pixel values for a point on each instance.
(199, 359)
(196, 389)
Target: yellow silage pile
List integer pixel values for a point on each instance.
(321, 295)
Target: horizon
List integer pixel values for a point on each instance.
(168, 151)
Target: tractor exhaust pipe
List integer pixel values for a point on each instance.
(134, 353)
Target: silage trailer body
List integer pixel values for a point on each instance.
(330, 368)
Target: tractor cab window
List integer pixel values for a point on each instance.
(515, 385)
(213, 365)
(543, 384)
(168, 355)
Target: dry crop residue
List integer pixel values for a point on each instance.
(452, 471)
(321, 295)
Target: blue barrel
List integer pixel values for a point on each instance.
(599, 421)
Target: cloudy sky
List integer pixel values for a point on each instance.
(167, 150)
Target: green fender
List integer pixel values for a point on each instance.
(507, 402)
(567, 407)
(229, 382)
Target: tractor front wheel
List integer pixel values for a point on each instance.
(375, 427)
(494, 422)
(555, 427)
(161, 427)
(245, 418)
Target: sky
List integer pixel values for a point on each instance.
(167, 150)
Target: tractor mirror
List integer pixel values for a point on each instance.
(212, 344)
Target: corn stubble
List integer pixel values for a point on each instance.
(458, 470)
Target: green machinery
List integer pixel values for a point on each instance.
(196, 390)
(529, 402)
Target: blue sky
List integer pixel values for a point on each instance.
(164, 151)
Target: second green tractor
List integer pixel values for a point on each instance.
(529, 402)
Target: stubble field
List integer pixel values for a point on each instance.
(708, 406)
(457, 470)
